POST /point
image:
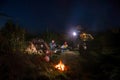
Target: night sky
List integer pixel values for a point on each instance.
(61, 15)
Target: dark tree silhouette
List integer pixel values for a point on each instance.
(13, 37)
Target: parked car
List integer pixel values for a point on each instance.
(42, 46)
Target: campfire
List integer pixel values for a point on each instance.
(60, 66)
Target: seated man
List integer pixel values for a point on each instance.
(52, 45)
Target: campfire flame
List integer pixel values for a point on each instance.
(60, 66)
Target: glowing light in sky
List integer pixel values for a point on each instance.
(74, 33)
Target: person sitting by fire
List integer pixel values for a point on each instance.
(52, 45)
(64, 46)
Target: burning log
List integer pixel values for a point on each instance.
(60, 66)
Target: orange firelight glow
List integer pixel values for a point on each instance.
(60, 66)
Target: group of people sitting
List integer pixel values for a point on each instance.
(40, 46)
(63, 47)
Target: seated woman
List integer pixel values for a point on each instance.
(64, 47)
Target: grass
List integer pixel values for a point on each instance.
(90, 66)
